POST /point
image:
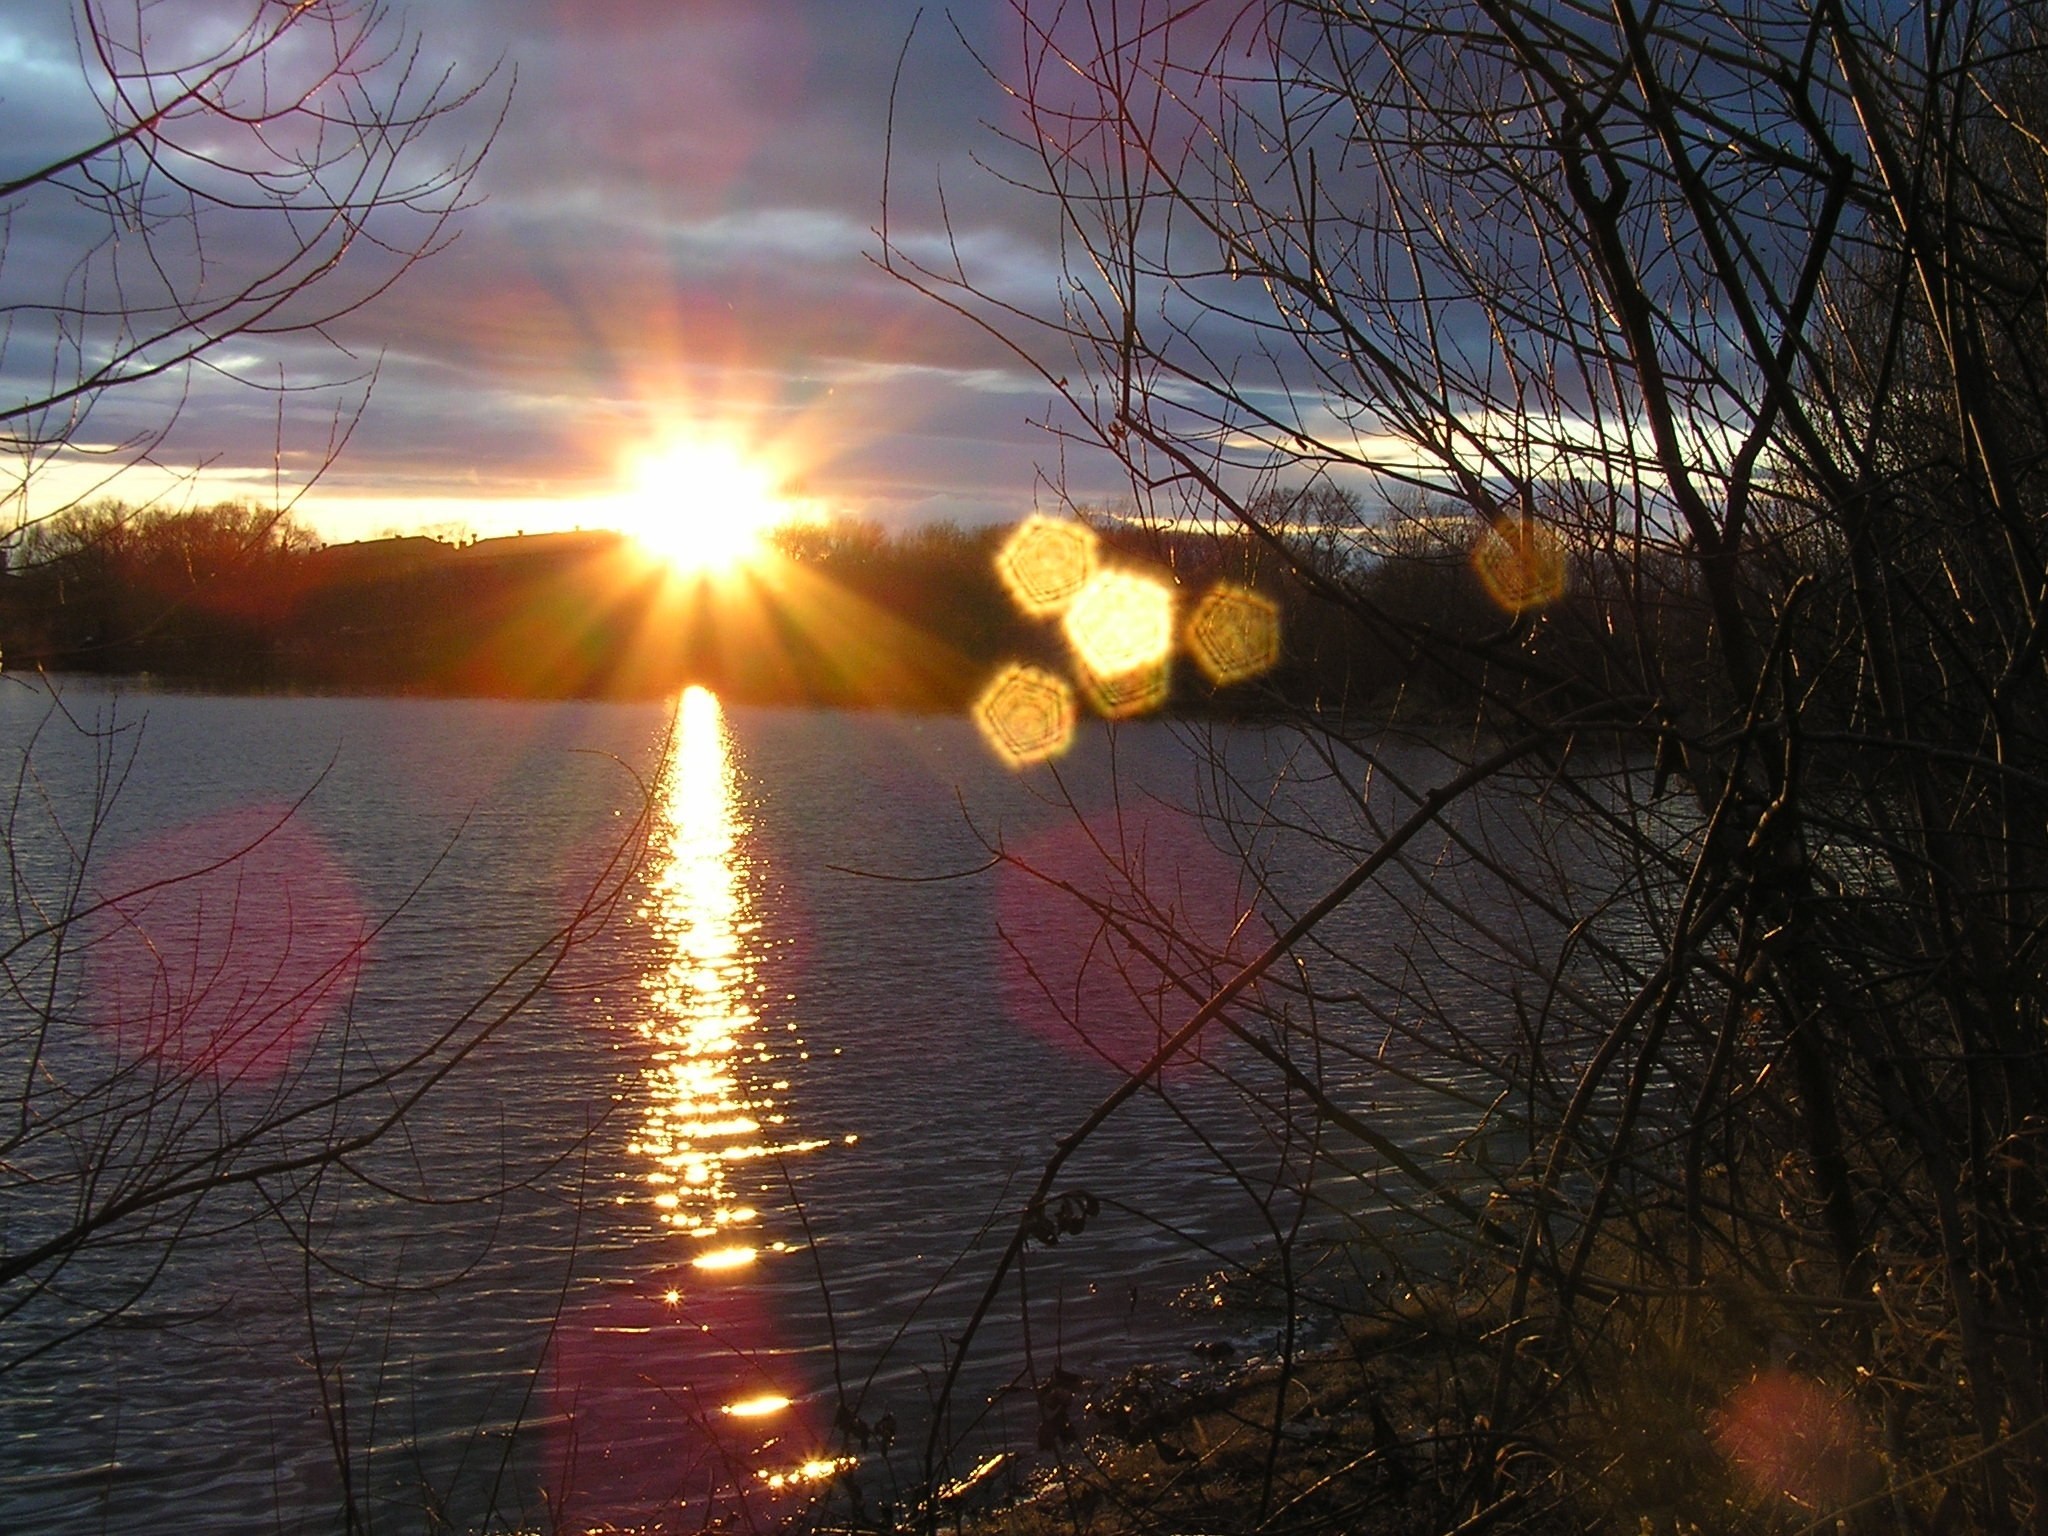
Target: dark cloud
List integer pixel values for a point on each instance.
(676, 218)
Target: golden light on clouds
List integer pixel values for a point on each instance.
(1046, 562)
(1026, 714)
(1234, 634)
(1520, 564)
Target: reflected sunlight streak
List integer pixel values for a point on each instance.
(817, 1470)
(756, 1407)
(738, 1257)
(701, 1117)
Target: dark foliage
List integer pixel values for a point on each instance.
(1741, 309)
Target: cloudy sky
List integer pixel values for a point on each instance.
(671, 236)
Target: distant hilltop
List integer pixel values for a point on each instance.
(396, 551)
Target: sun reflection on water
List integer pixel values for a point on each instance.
(703, 1115)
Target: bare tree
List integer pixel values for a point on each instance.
(254, 180)
(186, 1065)
(1721, 326)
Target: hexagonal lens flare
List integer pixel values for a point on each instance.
(1121, 628)
(1045, 562)
(1026, 714)
(1136, 692)
(1121, 622)
(1234, 634)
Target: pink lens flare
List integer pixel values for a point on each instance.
(1791, 1437)
(1115, 929)
(669, 1398)
(226, 946)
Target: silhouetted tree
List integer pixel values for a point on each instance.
(1719, 328)
(259, 172)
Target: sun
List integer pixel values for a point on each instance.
(703, 506)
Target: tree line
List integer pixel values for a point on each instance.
(841, 612)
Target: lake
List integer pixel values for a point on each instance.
(685, 1205)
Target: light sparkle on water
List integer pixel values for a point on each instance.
(704, 1112)
(758, 1407)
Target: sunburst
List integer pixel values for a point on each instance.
(703, 505)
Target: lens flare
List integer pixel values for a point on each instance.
(1121, 622)
(1790, 1436)
(1121, 628)
(226, 946)
(1136, 692)
(1026, 714)
(1234, 634)
(1519, 564)
(1045, 562)
(1111, 990)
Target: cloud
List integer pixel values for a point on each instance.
(675, 221)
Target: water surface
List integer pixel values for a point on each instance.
(736, 1127)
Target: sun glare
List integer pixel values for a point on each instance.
(703, 506)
